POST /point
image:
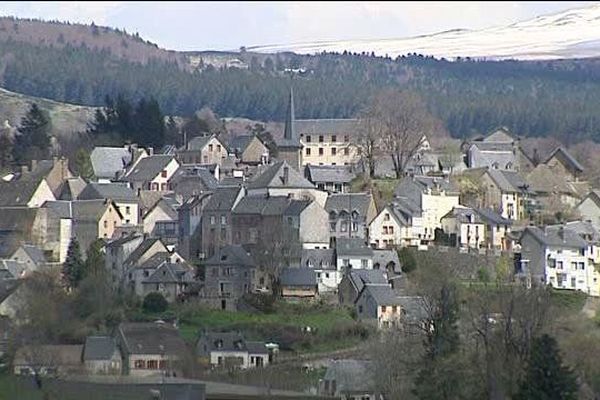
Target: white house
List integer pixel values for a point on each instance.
(230, 349)
(152, 173)
(390, 228)
(466, 226)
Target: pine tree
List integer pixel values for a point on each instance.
(73, 266)
(82, 165)
(33, 140)
(546, 378)
(6, 149)
(94, 263)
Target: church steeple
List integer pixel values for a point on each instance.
(289, 134)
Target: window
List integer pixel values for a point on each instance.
(127, 210)
(308, 139)
(326, 275)
(106, 224)
(581, 266)
(333, 138)
(162, 364)
(559, 265)
(344, 226)
(385, 230)
(223, 220)
(573, 266)
(321, 139)
(163, 173)
(223, 235)
(212, 219)
(391, 229)
(333, 151)
(332, 227)
(346, 138)
(219, 148)
(139, 364)
(383, 308)
(152, 364)
(573, 282)
(308, 151)
(354, 227)
(386, 217)
(346, 151)
(163, 186)
(320, 151)
(210, 147)
(364, 263)
(394, 309)
(360, 309)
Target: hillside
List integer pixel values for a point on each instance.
(66, 118)
(574, 33)
(117, 43)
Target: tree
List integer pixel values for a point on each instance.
(172, 132)
(33, 138)
(546, 377)
(82, 165)
(6, 150)
(73, 267)
(94, 263)
(266, 137)
(370, 132)
(155, 302)
(404, 121)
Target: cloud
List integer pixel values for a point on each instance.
(84, 12)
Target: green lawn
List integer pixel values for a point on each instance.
(12, 388)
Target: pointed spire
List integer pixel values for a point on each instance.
(289, 133)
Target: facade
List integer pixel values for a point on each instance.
(94, 219)
(124, 198)
(328, 141)
(203, 150)
(379, 305)
(464, 227)
(101, 356)
(249, 150)
(217, 219)
(151, 173)
(324, 263)
(48, 360)
(589, 208)
(391, 228)
(298, 283)
(561, 161)
(507, 193)
(497, 229)
(499, 150)
(352, 254)
(350, 214)
(330, 178)
(354, 281)
(117, 252)
(231, 349)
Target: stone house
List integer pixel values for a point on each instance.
(298, 283)
(564, 164)
(499, 150)
(189, 216)
(328, 141)
(94, 219)
(350, 214)
(349, 380)
(589, 208)
(330, 178)
(108, 163)
(354, 280)
(207, 149)
(48, 360)
(324, 263)
(190, 181)
(497, 229)
(169, 278)
(249, 149)
(390, 228)
(30, 257)
(124, 198)
(101, 356)
(231, 349)
(117, 252)
(216, 219)
(464, 228)
(153, 173)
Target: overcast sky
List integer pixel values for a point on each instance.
(227, 26)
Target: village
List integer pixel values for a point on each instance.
(229, 230)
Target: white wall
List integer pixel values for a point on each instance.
(42, 194)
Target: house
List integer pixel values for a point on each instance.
(123, 197)
(117, 251)
(249, 149)
(161, 221)
(11, 269)
(151, 348)
(424, 200)
(379, 305)
(350, 214)
(48, 360)
(352, 254)
(464, 228)
(589, 208)
(298, 283)
(289, 148)
(498, 151)
(390, 228)
(307, 219)
(330, 178)
(30, 256)
(207, 149)
(328, 141)
(564, 164)
(497, 229)
(169, 278)
(553, 187)
(387, 260)
(20, 225)
(72, 188)
(354, 280)
(507, 193)
(10, 296)
(558, 256)
(324, 263)
(229, 274)
(94, 219)
(28, 190)
(231, 349)
(349, 380)
(189, 216)
(280, 179)
(153, 172)
(108, 163)
(192, 181)
(101, 356)
(216, 219)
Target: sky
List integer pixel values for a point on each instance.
(229, 25)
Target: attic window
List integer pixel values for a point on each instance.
(223, 257)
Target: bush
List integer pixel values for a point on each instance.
(155, 303)
(407, 260)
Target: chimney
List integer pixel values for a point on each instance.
(561, 232)
(33, 164)
(24, 169)
(286, 175)
(150, 151)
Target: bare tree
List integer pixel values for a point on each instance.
(370, 133)
(404, 121)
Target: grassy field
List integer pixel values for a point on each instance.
(13, 388)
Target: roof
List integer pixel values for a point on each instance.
(318, 258)
(349, 202)
(122, 240)
(262, 205)
(290, 136)
(141, 250)
(198, 142)
(556, 236)
(490, 216)
(296, 207)
(18, 192)
(585, 229)
(152, 338)
(107, 161)
(360, 277)
(114, 191)
(148, 168)
(412, 187)
(231, 255)
(99, 348)
(169, 272)
(413, 307)
(72, 188)
(298, 277)
(383, 295)
(199, 177)
(544, 179)
(384, 257)
(62, 208)
(567, 157)
(238, 144)
(223, 198)
(499, 135)
(8, 287)
(351, 376)
(464, 215)
(229, 341)
(35, 253)
(274, 177)
(55, 354)
(333, 126)
(89, 210)
(508, 181)
(330, 173)
(352, 247)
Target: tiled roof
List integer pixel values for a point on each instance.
(231, 255)
(349, 202)
(152, 338)
(223, 198)
(298, 277)
(330, 173)
(99, 348)
(107, 161)
(262, 205)
(148, 168)
(274, 177)
(114, 191)
(352, 247)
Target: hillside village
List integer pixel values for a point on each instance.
(225, 227)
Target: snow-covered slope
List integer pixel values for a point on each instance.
(569, 34)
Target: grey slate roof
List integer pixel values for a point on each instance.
(229, 342)
(223, 199)
(329, 173)
(508, 181)
(89, 210)
(349, 202)
(318, 258)
(362, 277)
(584, 229)
(331, 126)
(238, 144)
(62, 208)
(414, 308)
(262, 205)
(198, 142)
(148, 168)
(352, 247)
(352, 376)
(491, 217)
(169, 272)
(141, 250)
(231, 255)
(122, 240)
(152, 338)
(114, 191)
(304, 277)
(464, 215)
(35, 253)
(72, 188)
(382, 294)
(201, 178)
(567, 156)
(384, 256)
(273, 177)
(18, 192)
(107, 161)
(296, 207)
(499, 135)
(413, 187)
(556, 236)
(99, 348)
